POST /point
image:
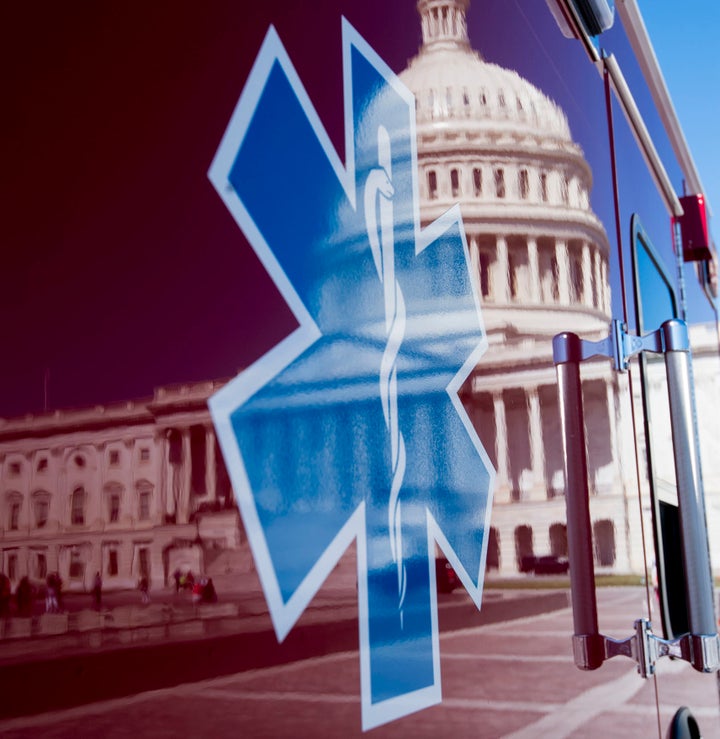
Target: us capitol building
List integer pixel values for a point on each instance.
(140, 488)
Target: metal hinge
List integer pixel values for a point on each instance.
(620, 346)
(645, 648)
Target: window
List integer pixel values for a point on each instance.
(77, 566)
(41, 566)
(198, 460)
(14, 516)
(144, 562)
(513, 270)
(565, 190)
(112, 566)
(558, 540)
(42, 464)
(524, 547)
(501, 98)
(477, 181)
(543, 188)
(42, 508)
(12, 566)
(604, 539)
(144, 511)
(114, 458)
(493, 552)
(500, 183)
(15, 468)
(523, 184)
(79, 460)
(432, 184)
(144, 454)
(77, 507)
(455, 182)
(114, 508)
(484, 274)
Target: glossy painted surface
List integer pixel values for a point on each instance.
(352, 429)
(393, 322)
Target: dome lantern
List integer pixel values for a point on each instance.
(443, 23)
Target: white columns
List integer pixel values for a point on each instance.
(503, 473)
(534, 267)
(183, 512)
(561, 254)
(586, 275)
(598, 293)
(210, 467)
(502, 271)
(604, 286)
(475, 263)
(537, 452)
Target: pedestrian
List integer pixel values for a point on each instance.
(197, 591)
(209, 594)
(5, 594)
(51, 594)
(177, 575)
(97, 590)
(23, 597)
(144, 587)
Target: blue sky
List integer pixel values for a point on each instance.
(685, 39)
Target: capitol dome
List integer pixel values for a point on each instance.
(497, 145)
(452, 82)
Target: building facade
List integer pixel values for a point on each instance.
(130, 490)
(140, 489)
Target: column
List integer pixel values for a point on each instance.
(501, 442)
(561, 254)
(167, 477)
(534, 267)
(475, 263)
(610, 401)
(183, 513)
(161, 454)
(597, 303)
(586, 275)
(605, 286)
(537, 451)
(502, 271)
(210, 468)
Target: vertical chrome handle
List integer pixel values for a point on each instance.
(691, 501)
(588, 643)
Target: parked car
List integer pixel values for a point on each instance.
(447, 579)
(551, 565)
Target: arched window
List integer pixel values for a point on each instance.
(432, 184)
(524, 552)
(13, 506)
(604, 540)
(558, 540)
(493, 552)
(455, 182)
(477, 181)
(500, 182)
(523, 184)
(41, 508)
(77, 506)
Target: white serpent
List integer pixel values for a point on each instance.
(378, 187)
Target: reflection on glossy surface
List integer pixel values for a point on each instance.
(353, 428)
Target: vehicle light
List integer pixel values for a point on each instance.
(694, 228)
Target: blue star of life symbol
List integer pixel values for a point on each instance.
(351, 429)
